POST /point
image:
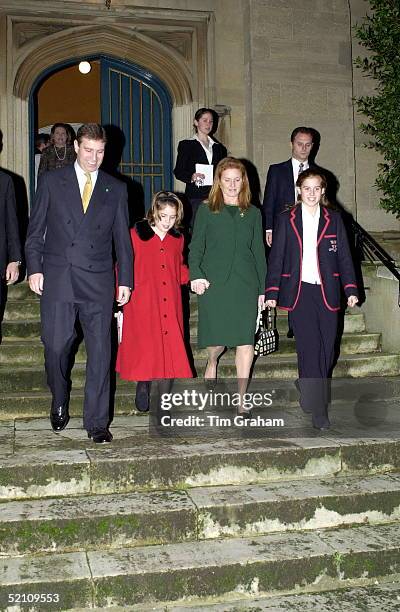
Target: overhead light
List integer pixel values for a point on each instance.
(84, 67)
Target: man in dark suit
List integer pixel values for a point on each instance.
(10, 247)
(281, 178)
(80, 213)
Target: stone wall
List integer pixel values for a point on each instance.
(275, 64)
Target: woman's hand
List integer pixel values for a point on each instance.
(261, 302)
(352, 300)
(198, 176)
(271, 303)
(199, 285)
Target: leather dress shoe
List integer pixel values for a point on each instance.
(100, 436)
(59, 417)
(323, 428)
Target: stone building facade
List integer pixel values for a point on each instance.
(266, 65)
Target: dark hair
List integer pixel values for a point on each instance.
(41, 138)
(310, 173)
(160, 200)
(200, 112)
(215, 200)
(91, 131)
(302, 130)
(58, 125)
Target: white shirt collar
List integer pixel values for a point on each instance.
(210, 141)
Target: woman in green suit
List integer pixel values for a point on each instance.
(227, 269)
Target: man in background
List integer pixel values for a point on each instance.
(280, 189)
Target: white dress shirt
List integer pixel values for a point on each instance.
(295, 167)
(81, 176)
(309, 269)
(208, 150)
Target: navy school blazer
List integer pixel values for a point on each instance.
(283, 282)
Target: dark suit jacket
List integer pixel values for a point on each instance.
(10, 247)
(74, 250)
(335, 265)
(190, 153)
(279, 191)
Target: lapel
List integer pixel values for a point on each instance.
(289, 175)
(201, 157)
(71, 193)
(324, 222)
(296, 221)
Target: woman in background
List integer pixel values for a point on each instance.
(227, 269)
(309, 262)
(200, 149)
(59, 153)
(152, 345)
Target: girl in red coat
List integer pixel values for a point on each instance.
(152, 345)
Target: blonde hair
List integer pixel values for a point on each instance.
(160, 200)
(215, 200)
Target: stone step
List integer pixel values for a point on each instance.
(34, 404)
(353, 323)
(36, 463)
(22, 310)
(19, 292)
(273, 367)
(162, 517)
(17, 324)
(215, 569)
(30, 352)
(354, 393)
(384, 597)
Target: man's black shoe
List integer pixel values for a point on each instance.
(100, 436)
(59, 417)
(142, 397)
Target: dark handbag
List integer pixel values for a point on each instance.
(267, 337)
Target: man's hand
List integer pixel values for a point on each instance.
(271, 303)
(36, 282)
(352, 301)
(12, 272)
(268, 237)
(124, 293)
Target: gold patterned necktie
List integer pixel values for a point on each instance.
(87, 192)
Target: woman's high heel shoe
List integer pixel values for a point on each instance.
(245, 414)
(210, 383)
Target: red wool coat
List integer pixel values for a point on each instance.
(152, 343)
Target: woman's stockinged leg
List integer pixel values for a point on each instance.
(243, 360)
(214, 352)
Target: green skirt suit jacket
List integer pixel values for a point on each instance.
(227, 249)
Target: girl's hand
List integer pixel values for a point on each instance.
(261, 302)
(199, 285)
(352, 300)
(271, 303)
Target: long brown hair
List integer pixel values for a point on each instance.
(215, 200)
(160, 200)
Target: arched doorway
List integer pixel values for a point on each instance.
(136, 108)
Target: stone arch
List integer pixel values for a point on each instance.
(57, 48)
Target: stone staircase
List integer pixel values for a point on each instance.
(250, 520)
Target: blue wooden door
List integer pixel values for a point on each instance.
(137, 104)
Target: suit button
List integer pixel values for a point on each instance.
(162, 266)
(91, 246)
(165, 316)
(161, 250)
(164, 283)
(73, 244)
(69, 221)
(164, 299)
(165, 333)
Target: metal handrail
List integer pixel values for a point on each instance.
(371, 250)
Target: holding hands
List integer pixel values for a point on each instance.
(199, 285)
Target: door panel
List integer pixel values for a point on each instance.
(137, 103)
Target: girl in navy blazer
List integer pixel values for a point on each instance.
(200, 149)
(309, 264)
